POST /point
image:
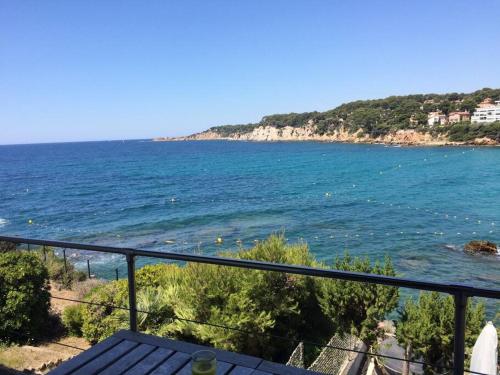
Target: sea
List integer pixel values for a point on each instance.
(419, 205)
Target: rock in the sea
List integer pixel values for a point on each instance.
(481, 246)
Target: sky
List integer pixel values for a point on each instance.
(99, 70)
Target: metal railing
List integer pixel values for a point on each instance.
(460, 292)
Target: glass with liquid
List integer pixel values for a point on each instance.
(204, 363)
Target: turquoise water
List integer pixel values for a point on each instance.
(420, 205)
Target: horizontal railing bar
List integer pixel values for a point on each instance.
(268, 266)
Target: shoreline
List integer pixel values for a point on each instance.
(389, 144)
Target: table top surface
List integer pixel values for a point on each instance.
(133, 353)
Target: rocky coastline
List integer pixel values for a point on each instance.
(407, 137)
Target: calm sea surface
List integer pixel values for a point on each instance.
(419, 205)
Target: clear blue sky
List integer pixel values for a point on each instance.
(90, 70)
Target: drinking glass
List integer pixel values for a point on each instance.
(204, 363)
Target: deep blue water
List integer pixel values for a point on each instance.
(420, 205)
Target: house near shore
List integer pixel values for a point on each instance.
(486, 103)
(454, 117)
(486, 112)
(437, 118)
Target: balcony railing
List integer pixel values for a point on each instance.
(460, 292)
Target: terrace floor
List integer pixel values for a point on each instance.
(134, 353)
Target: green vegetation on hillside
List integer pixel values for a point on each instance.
(256, 306)
(381, 116)
(464, 132)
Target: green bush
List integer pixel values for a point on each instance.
(354, 307)
(24, 297)
(100, 322)
(72, 319)
(265, 303)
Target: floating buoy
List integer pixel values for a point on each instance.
(30, 221)
(219, 240)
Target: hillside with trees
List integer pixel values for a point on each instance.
(376, 119)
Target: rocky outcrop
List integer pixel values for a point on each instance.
(412, 137)
(481, 247)
(485, 141)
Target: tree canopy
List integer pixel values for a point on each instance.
(427, 327)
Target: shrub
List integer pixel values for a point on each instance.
(100, 322)
(24, 297)
(354, 307)
(72, 318)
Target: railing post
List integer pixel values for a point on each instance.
(131, 292)
(88, 267)
(459, 337)
(116, 273)
(65, 264)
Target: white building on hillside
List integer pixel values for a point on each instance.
(436, 118)
(487, 112)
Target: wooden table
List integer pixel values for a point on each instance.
(134, 353)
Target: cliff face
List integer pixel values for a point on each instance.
(309, 133)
